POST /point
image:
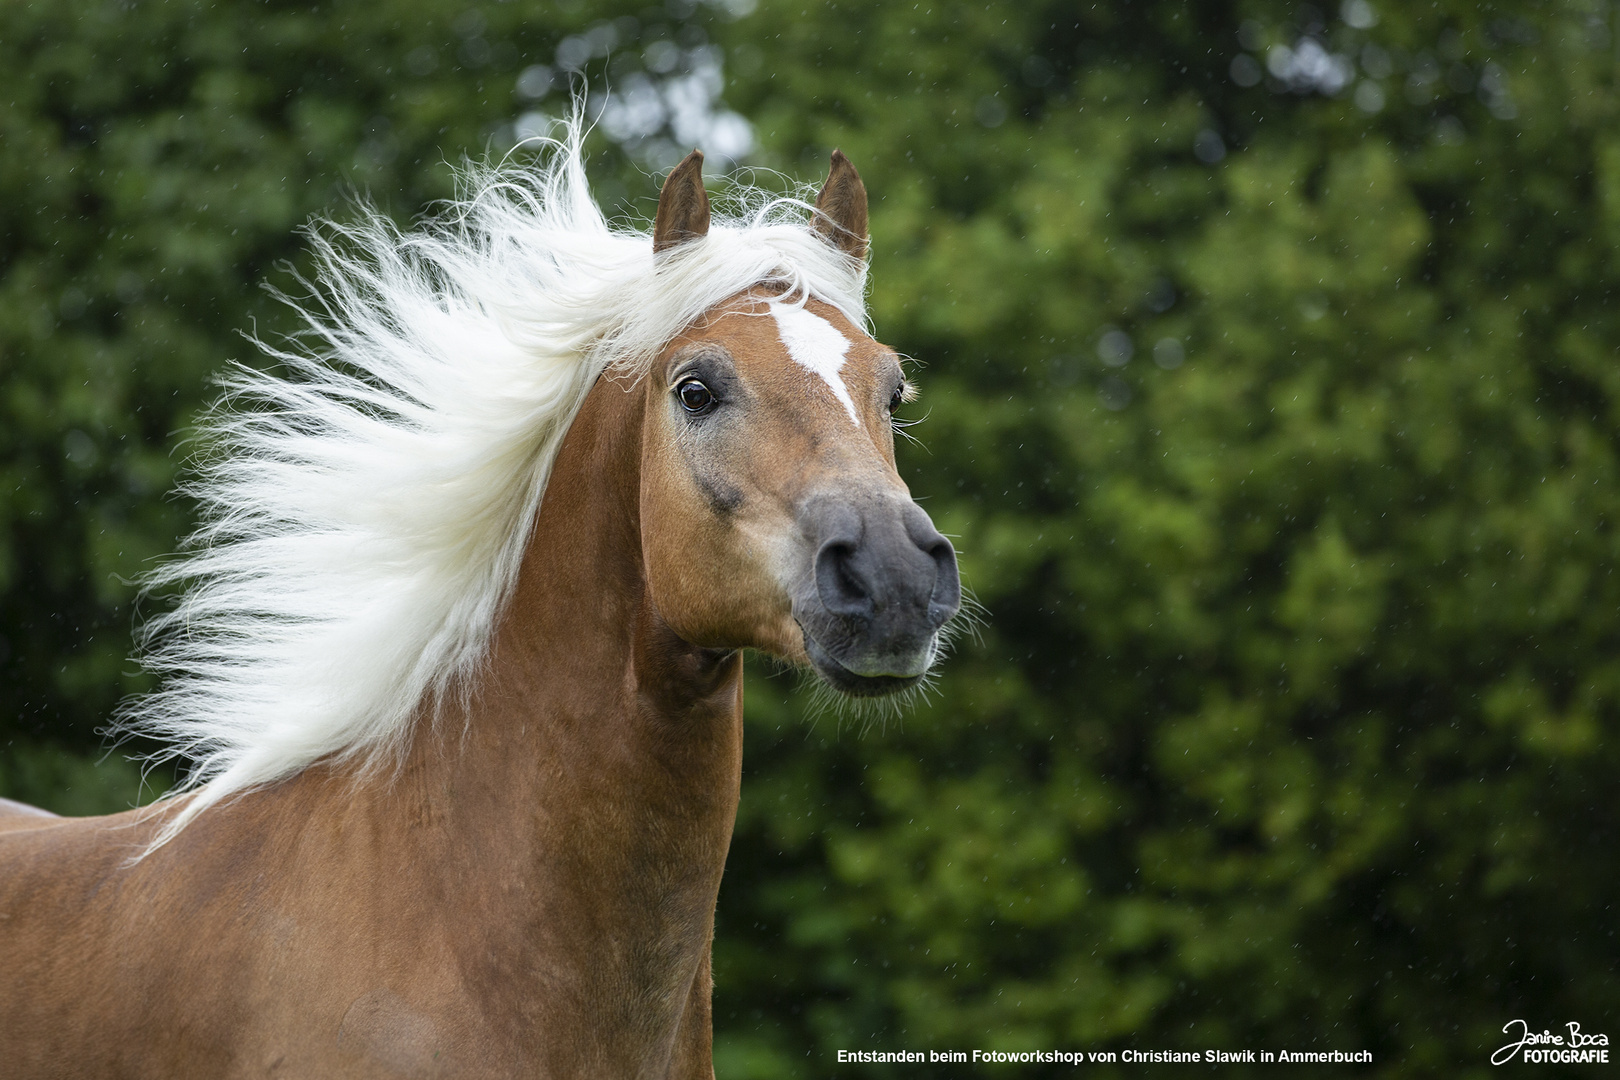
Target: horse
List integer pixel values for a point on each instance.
(458, 660)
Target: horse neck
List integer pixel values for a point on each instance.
(586, 799)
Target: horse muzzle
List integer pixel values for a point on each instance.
(883, 583)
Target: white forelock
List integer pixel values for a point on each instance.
(364, 515)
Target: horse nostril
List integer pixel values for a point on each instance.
(839, 584)
(946, 597)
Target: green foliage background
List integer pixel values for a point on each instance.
(1292, 722)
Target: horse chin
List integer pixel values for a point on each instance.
(851, 683)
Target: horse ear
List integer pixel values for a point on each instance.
(683, 205)
(841, 208)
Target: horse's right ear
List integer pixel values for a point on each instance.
(683, 205)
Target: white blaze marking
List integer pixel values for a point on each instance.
(816, 345)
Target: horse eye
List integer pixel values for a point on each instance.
(896, 398)
(695, 397)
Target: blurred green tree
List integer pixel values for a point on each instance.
(1271, 390)
(1270, 370)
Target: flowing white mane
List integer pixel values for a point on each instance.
(365, 514)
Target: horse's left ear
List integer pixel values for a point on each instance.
(841, 208)
(683, 205)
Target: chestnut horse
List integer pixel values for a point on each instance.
(519, 877)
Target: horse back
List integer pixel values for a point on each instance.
(19, 815)
(93, 943)
(209, 957)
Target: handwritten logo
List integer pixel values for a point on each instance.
(1572, 1047)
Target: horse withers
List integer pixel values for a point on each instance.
(460, 664)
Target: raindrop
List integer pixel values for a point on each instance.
(1168, 353)
(572, 52)
(730, 136)
(602, 37)
(533, 125)
(1493, 90)
(990, 111)
(1208, 147)
(1449, 131)
(1245, 70)
(1115, 393)
(79, 448)
(1114, 347)
(635, 110)
(661, 57)
(1279, 60)
(1359, 14)
(535, 81)
(1369, 97)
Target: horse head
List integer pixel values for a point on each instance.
(773, 516)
